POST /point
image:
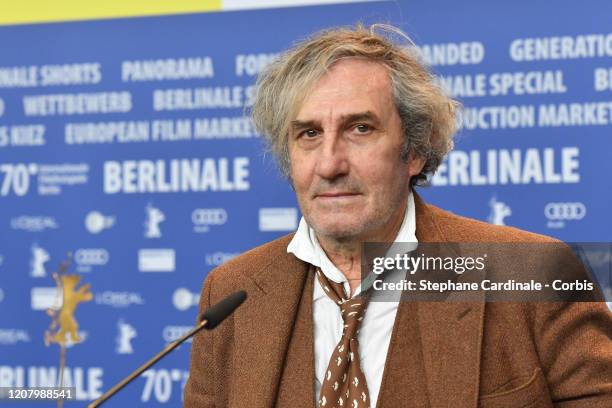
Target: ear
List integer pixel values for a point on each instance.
(415, 164)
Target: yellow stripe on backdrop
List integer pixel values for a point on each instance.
(44, 11)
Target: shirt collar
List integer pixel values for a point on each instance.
(305, 247)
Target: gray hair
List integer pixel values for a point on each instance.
(427, 114)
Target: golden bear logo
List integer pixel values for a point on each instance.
(64, 317)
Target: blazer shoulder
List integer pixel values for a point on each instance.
(251, 263)
(456, 228)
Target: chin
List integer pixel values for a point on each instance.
(338, 232)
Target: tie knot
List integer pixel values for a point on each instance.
(353, 309)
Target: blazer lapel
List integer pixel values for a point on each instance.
(404, 382)
(450, 334)
(264, 329)
(298, 377)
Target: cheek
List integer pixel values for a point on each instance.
(300, 176)
(386, 169)
(301, 164)
(388, 183)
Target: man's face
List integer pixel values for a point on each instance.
(344, 148)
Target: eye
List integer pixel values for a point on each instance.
(309, 133)
(363, 128)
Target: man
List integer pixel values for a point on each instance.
(355, 123)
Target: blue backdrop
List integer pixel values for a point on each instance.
(124, 143)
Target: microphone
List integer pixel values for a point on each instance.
(209, 320)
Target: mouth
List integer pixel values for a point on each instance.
(336, 195)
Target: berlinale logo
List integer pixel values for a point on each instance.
(39, 258)
(64, 327)
(154, 217)
(499, 211)
(126, 332)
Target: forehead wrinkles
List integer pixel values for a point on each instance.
(364, 75)
(362, 83)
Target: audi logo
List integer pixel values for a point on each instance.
(565, 211)
(171, 333)
(209, 216)
(91, 256)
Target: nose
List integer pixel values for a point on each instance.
(332, 161)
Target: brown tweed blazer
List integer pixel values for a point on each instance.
(476, 354)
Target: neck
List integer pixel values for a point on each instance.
(345, 253)
(346, 256)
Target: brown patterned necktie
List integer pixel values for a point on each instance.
(344, 384)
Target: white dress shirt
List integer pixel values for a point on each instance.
(377, 325)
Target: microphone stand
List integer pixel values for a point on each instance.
(146, 365)
(209, 320)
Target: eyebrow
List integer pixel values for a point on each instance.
(299, 124)
(353, 117)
